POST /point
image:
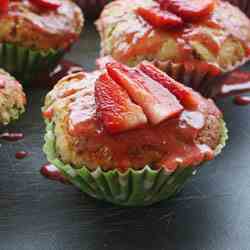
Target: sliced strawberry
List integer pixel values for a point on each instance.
(47, 4)
(102, 61)
(189, 10)
(185, 95)
(157, 102)
(159, 18)
(115, 108)
(4, 5)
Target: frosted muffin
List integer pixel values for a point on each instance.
(35, 34)
(131, 136)
(191, 41)
(12, 98)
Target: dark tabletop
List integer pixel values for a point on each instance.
(211, 213)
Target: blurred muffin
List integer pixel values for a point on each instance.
(244, 5)
(35, 34)
(131, 136)
(92, 8)
(12, 98)
(191, 43)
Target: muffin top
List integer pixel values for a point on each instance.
(132, 31)
(122, 118)
(31, 25)
(12, 98)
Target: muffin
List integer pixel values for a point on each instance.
(130, 136)
(12, 98)
(192, 43)
(244, 5)
(35, 34)
(92, 8)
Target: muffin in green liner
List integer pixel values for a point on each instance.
(12, 98)
(195, 52)
(33, 38)
(132, 188)
(128, 152)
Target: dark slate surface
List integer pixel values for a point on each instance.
(211, 213)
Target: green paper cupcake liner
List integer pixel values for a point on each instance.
(25, 63)
(132, 188)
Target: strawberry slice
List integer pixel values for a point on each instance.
(4, 5)
(189, 10)
(115, 108)
(102, 61)
(157, 102)
(159, 18)
(184, 94)
(47, 4)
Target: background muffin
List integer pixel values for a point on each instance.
(194, 51)
(34, 37)
(12, 98)
(96, 145)
(244, 5)
(92, 8)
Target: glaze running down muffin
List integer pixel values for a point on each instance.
(12, 98)
(192, 45)
(127, 123)
(34, 34)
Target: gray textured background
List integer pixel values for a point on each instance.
(211, 213)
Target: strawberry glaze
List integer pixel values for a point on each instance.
(171, 142)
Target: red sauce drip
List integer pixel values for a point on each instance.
(48, 114)
(2, 83)
(21, 155)
(242, 100)
(51, 172)
(64, 68)
(11, 136)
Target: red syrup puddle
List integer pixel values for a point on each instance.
(242, 100)
(2, 84)
(49, 79)
(11, 136)
(52, 173)
(21, 155)
(236, 83)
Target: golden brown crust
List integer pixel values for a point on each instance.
(29, 26)
(223, 40)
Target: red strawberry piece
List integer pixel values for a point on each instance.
(115, 108)
(189, 10)
(48, 113)
(47, 4)
(102, 61)
(4, 5)
(184, 94)
(159, 18)
(157, 102)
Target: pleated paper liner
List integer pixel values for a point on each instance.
(244, 5)
(25, 63)
(201, 76)
(132, 188)
(92, 8)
